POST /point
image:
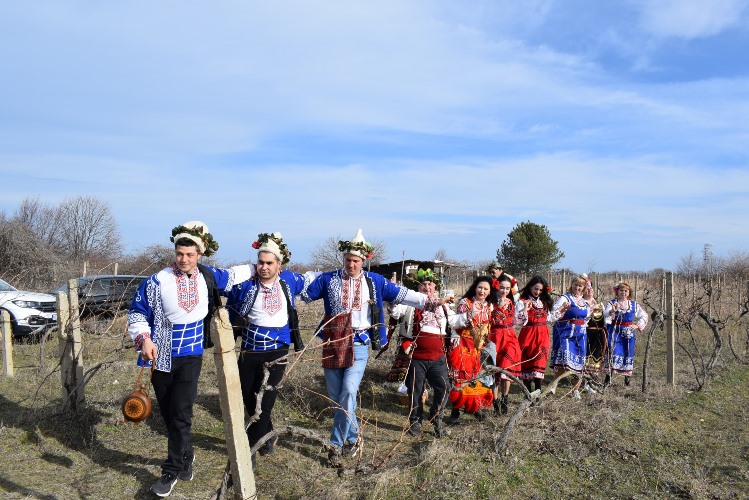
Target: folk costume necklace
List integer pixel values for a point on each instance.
(187, 288)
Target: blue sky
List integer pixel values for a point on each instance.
(621, 126)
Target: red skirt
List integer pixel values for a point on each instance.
(508, 351)
(534, 343)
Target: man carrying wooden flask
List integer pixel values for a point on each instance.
(264, 308)
(168, 322)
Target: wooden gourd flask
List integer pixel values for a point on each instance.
(137, 405)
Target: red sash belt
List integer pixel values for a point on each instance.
(575, 321)
(624, 323)
(535, 323)
(501, 326)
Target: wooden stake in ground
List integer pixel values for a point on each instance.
(670, 329)
(7, 331)
(71, 347)
(232, 406)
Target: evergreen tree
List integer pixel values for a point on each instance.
(529, 249)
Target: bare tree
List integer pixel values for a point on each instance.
(327, 256)
(441, 255)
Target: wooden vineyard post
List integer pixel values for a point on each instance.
(670, 330)
(7, 331)
(71, 347)
(232, 406)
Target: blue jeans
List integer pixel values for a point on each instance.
(343, 384)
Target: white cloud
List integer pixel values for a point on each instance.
(691, 18)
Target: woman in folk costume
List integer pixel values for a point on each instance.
(354, 320)
(471, 334)
(596, 330)
(532, 313)
(570, 314)
(624, 317)
(503, 336)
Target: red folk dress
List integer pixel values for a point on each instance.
(465, 362)
(534, 341)
(503, 335)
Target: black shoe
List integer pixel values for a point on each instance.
(607, 381)
(439, 431)
(497, 409)
(165, 484)
(269, 447)
(480, 415)
(253, 458)
(503, 405)
(626, 381)
(334, 457)
(186, 473)
(351, 449)
(415, 428)
(454, 417)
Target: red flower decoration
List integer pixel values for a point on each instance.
(548, 288)
(256, 245)
(369, 255)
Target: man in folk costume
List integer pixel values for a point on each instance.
(423, 335)
(167, 322)
(264, 308)
(354, 320)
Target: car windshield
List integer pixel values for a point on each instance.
(4, 287)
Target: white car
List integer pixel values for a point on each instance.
(31, 313)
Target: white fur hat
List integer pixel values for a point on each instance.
(273, 243)
(196, 231)
(357, 246)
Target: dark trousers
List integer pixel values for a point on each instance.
(176, 392)
(251, 377)
(434, 372)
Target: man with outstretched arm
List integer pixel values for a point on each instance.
(264, 309)
(354, 320)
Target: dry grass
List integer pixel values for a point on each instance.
(666, 442)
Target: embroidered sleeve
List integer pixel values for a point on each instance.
(139, 339)
(556, 312)
(313, 290)
(140, 315)
(227, 278)
(607, 312)
(641, 317)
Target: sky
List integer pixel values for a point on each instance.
(432, 125)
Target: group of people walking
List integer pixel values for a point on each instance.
(444, 348)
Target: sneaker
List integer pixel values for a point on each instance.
(415, 429)
(576, 394)
(439, 429)
(334, 457)
(186, 473)
(352, 449)
(164, 485)
(268, 447)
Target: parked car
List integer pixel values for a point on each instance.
(105, 294)
(31, 313)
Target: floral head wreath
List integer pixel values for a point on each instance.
(211, 245)
(422, 275)
(359, 248)
(266, 237)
